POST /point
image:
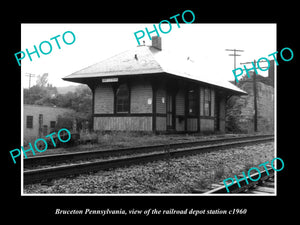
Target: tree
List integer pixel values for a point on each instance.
(45, 94)
(42, 93)
(38, 95)
(65, 121)
(42, 80)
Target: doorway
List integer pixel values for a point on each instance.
(170, 101)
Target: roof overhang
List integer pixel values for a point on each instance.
(145, 60)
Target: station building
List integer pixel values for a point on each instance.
(149, 89)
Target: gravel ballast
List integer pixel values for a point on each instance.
(175, 175)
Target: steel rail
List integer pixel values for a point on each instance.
(234, 188)
(32, 176)
(47, 159)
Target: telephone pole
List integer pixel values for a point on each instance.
(234, 56)
(254, 93)
(30, 75)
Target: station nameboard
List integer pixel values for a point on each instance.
(109, 80)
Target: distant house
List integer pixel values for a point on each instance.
(40, 120)
(149, 89)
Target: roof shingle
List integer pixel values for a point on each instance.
(148, 60)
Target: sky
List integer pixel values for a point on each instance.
(205, 44)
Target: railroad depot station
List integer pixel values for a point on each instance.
(146, 91)
(149, 89)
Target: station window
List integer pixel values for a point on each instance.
(122, 99)
(192, 106)
(207, 102)
(29, 121)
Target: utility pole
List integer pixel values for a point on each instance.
(254, 93)
(234, 56)
(30, 75)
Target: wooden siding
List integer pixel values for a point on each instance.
(141, 97)
(141, 109)
(161, 123)
(179, 125)
(180, 102)
(140, 123)
(206, 124)
(192, 124)
(201, 101)
(160, 104)
(104, 99)
(222, 105)
(201, 105)
(212, 102)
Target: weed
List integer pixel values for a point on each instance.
(249, 164)
(219, 172)
(204, 183)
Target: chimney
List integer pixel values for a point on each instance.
(156, 42)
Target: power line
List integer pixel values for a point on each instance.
(255, 91)
(234, 56)
(254, 94)
(30, 75)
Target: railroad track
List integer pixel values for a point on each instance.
(56, 158)
(265, 185)
(172, 150)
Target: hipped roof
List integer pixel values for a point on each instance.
(143, 60)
